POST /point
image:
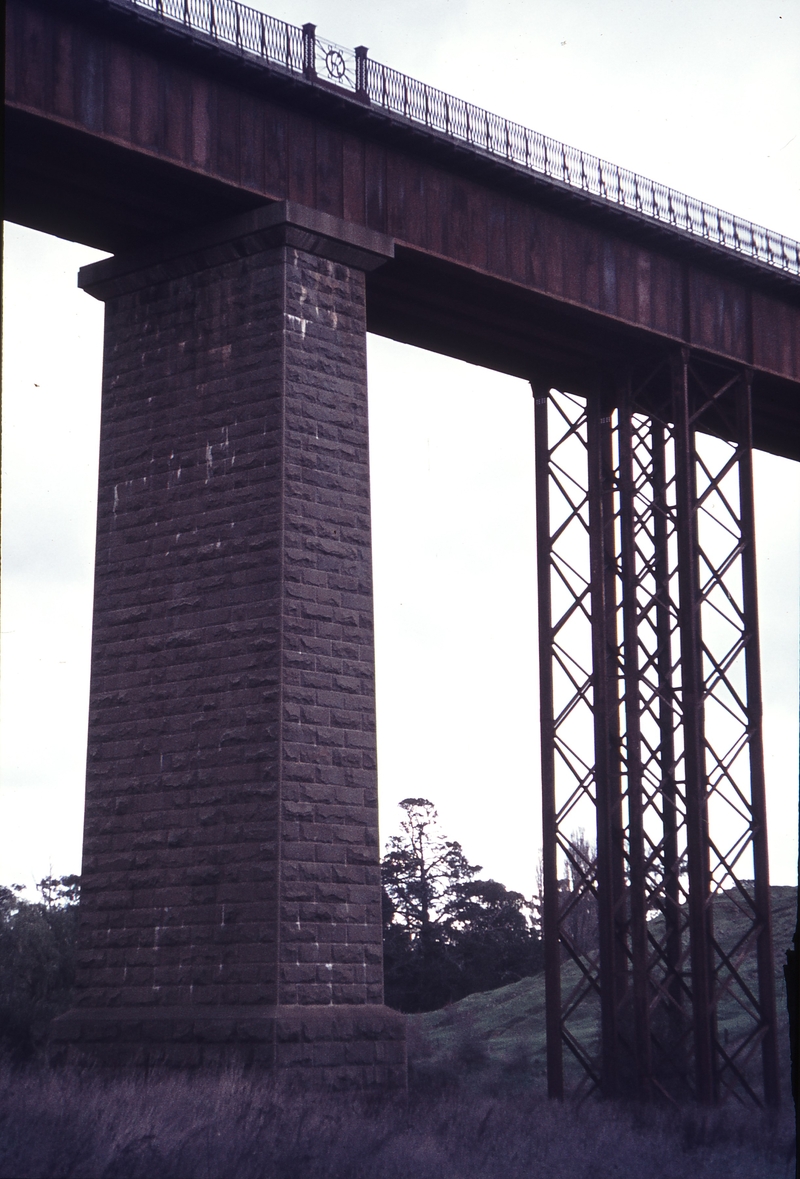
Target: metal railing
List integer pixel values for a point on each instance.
(301, 52)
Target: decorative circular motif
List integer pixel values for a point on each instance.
(334, 63)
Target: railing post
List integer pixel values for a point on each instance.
(309, 51)
(362, 82)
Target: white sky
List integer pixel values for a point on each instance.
(701, 94)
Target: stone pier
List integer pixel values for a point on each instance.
(231, 904)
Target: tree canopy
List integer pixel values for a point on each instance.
(37, 961)
(447, 934)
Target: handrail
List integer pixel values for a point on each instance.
(301, 52)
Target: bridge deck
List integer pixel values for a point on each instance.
(120, 130)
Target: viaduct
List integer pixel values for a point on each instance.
(268, 198)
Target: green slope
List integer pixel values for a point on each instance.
(498, 1037)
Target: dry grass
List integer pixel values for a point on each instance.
(68, 1125)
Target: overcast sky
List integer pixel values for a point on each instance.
(700, 94)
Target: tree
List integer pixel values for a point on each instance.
(421, 868)
(59, 891)
(418, 873)
(495, 940)
(37, 961)
(578, 901)
(446, 934)
(576, 898)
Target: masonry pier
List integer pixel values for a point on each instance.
(231, 901)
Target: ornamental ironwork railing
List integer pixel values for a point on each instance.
(301, 52)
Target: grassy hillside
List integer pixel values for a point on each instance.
(498, 1038)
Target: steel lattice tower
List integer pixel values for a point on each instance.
(651, 739)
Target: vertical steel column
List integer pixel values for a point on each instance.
(764, 951)
(671, 1048)
(613, 670)
(605, 677)
(633, 750)
(552, 948)
(568, 742)
(667, 718)
(728, 807)
(659, 546)
(653, 738)
(700, 917)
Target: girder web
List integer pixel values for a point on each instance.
(651, 742)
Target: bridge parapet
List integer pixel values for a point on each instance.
(301, 52)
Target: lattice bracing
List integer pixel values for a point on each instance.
(651, 740)
(653, 769)
(568, 736)
(736, 1013)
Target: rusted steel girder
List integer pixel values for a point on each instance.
(651, 739)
